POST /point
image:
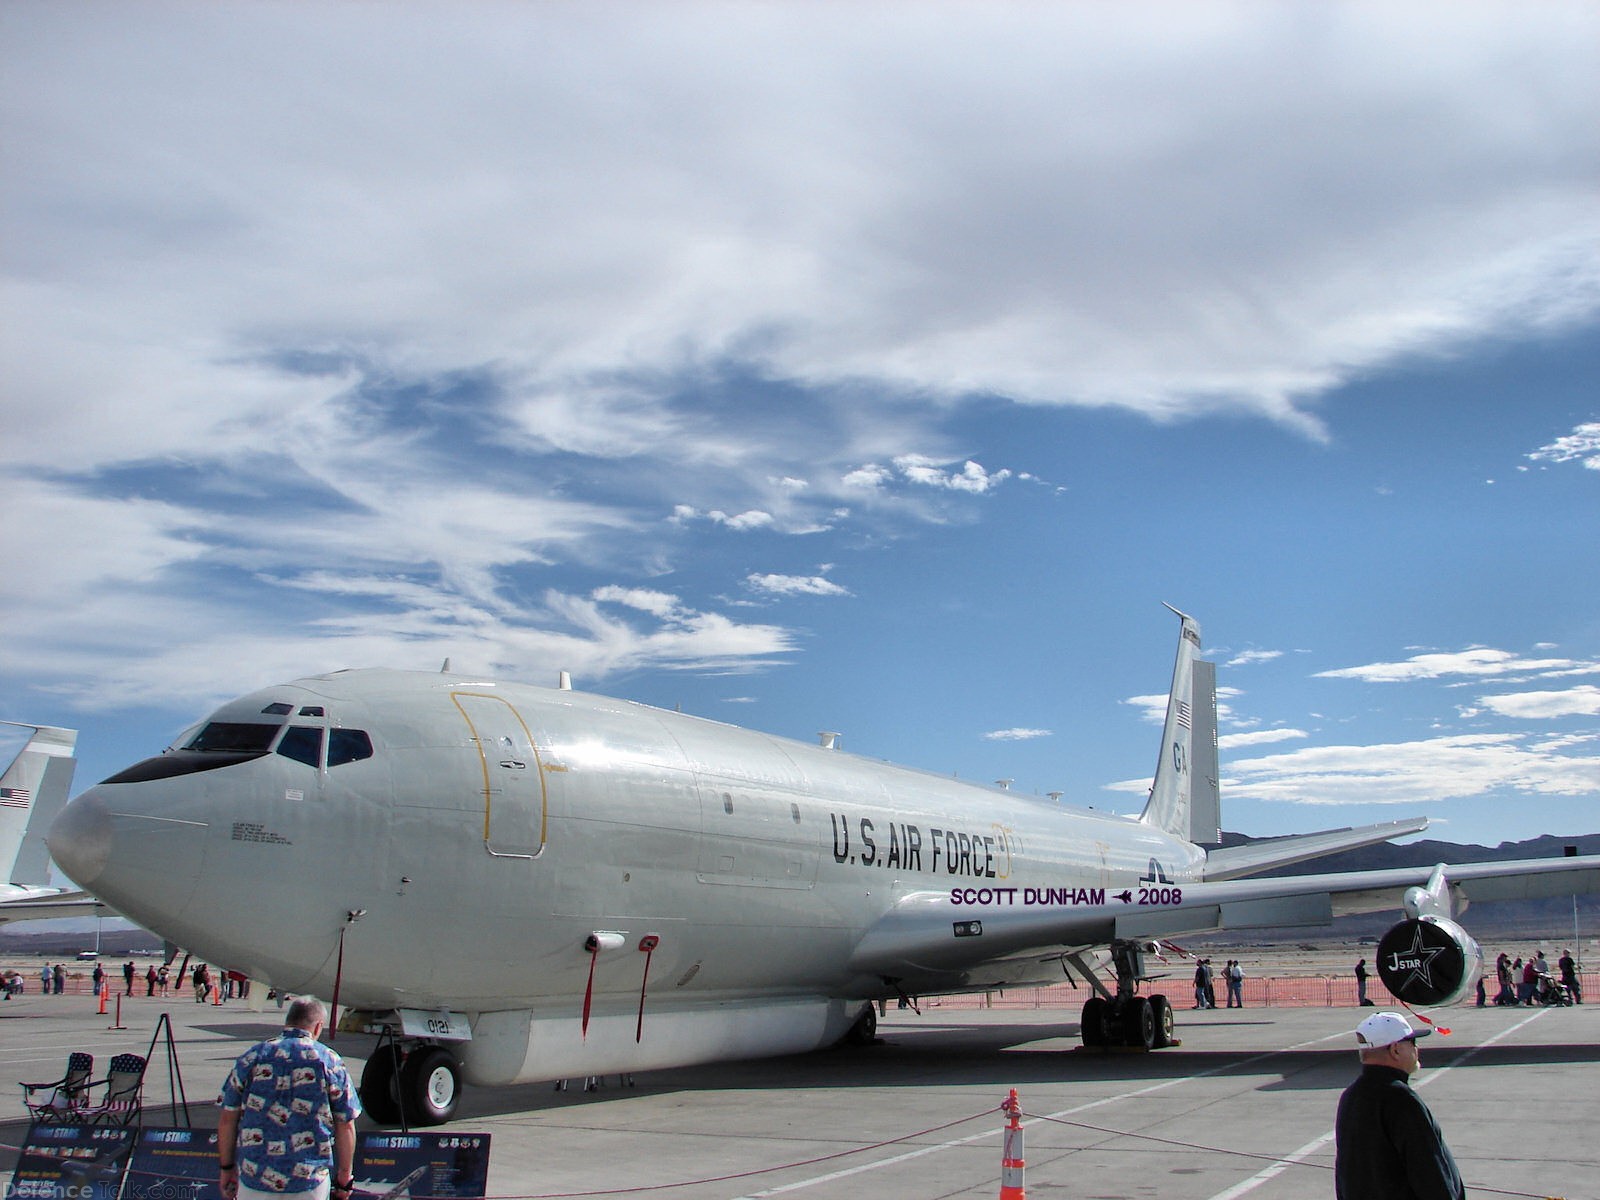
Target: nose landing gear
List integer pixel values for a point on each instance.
(416, 1085)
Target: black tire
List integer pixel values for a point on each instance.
(380, 1087)
(1139, 1023)
(865, 1031)
(1165, 1024)
(1093, 1024)
(430, 1086)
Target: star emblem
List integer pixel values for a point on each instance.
(1418, 960)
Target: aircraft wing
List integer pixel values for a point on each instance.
(928, 931)
(49, 904)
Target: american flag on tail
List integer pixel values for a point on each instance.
(11, 797)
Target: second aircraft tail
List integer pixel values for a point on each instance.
(32, 790)
(1184, 797)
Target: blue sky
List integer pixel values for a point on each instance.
(873, 368)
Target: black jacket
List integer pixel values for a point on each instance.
(1388, 1145)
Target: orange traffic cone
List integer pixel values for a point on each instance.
(103, 1001)
(1012, 1185)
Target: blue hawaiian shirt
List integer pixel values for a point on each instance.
(288, 1093)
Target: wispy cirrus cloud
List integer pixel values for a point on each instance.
(1016, 735)
(794, 585)
(1475, 662)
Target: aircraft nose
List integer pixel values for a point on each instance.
(80, 839)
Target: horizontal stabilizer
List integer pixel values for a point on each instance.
(1232, 862)
(50, 904)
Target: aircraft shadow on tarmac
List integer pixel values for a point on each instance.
(990, 1059)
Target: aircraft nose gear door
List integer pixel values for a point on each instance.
(513, 779)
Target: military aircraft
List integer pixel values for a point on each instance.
(33, 790)
(528, 883)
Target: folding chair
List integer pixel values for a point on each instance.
(67, 1094)
(123, 1100)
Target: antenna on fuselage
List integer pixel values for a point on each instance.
(445, 670)
(564, 681)
(828, 739)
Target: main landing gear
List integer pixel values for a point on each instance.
(419, 1083)
(1126, 1019)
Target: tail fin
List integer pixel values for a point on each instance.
(33, 789)
(1183, 797)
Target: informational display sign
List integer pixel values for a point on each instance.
(71, 1162)
(76, 1162)
(398, 1166)
(173, 1162)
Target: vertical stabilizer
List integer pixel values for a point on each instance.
(32, 791)
(1205, 794)
(1171, 794)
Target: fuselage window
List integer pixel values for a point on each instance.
(234, 737)
(303, 744)
(348, 745)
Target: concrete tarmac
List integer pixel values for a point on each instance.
(1243, 1108)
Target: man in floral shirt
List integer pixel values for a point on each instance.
(288, 1115)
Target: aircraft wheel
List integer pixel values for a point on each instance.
(431, 1085)
(1093, 1025)
(1139, 1023)
(865, 1031)
(1165, 1026)
(380, 1087)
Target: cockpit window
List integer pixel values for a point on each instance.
(280, 709)
(302, 743)
(313, 710)
(348, 745)
(234, 737)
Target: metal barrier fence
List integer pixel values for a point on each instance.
(1267, 991)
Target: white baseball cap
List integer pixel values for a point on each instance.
(1385, 1029)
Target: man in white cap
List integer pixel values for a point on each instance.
(1388, 1144)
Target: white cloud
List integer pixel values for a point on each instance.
(754, 519)
(1476, 662)
(657, 604)
(1258, 737)
(1246, 657)
(1582, 445)
(794, 585)
(1016, 735)
(1432, 770)
(1531, 706)
(929, 472)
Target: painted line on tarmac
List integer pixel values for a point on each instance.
(956, 1143)
(1266, 1174)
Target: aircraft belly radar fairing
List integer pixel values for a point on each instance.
(529, 883)
(33, 789)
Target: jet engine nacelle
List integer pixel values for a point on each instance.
(1430, 960)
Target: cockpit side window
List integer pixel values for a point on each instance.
(303, 743)
(234, 737)
(348, 745)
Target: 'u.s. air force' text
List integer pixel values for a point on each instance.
(974, 855)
